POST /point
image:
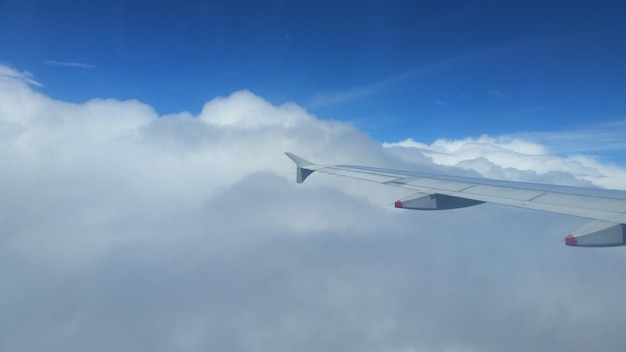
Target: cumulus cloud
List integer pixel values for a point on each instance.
(516, 159)
(124, 230)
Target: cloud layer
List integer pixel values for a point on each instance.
(125, 230)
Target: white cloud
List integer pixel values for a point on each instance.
(514, 158)
(8, 73)
(124, 230)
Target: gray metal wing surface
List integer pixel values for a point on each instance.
(440, 192)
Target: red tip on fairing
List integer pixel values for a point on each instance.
(571, 241)
(398, 204)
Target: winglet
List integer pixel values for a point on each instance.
(301, 164)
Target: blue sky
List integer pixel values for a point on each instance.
(396, 69)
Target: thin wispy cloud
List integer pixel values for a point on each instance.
(359, 92)
(338, 97)
(69, 64)
(496, 93)
(600, 138)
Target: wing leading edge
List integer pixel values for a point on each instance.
(441, 192)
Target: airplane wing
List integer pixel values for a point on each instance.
(607, 208)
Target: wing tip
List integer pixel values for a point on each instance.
(301, 165)
(298, 160)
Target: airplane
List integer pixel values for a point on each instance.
(606, 207)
